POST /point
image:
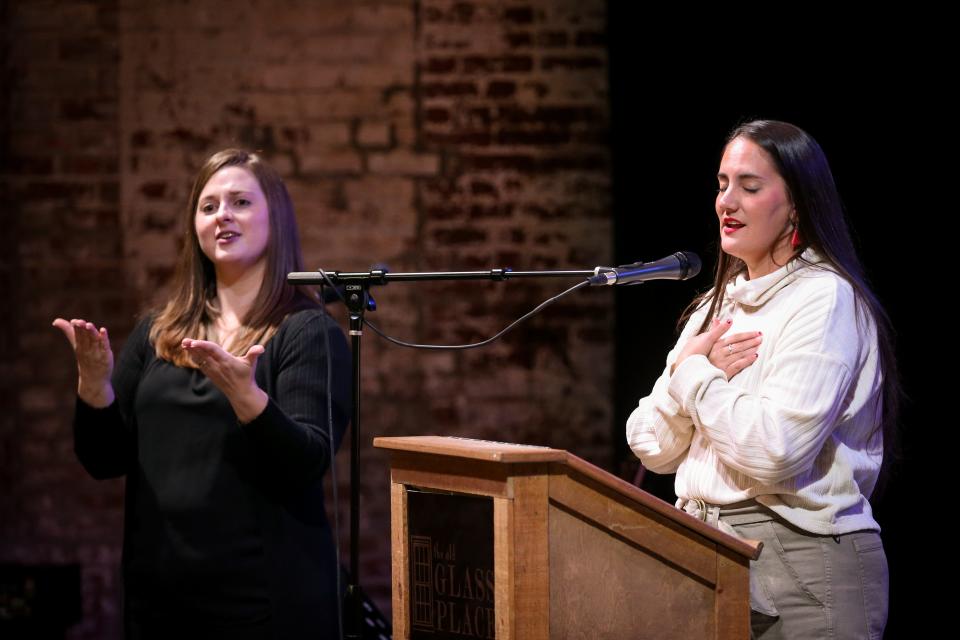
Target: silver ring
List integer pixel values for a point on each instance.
(730, 349)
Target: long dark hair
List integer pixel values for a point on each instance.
(191, 310)
(821, 224)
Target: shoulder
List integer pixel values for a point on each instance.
(822, 290)
(308, 325)
(824, 307)
(306, 321)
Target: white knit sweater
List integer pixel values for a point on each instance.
(798, 429)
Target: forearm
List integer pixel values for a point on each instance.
(291, 431)
(101, 440)
(294, 450)
(658, 432)
(771, 434)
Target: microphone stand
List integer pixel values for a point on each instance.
(357, 287)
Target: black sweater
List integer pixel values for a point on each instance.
(225, 525)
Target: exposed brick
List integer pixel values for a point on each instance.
(545, 137)
(440, 65)
(434, 89)
(384, 16)
(501, 89)
(495, 64)
(86, 164)
(552, 39)
(572, 62)
(37, 399)
(38, 15)
(87, 109)
(91, 48)
(479, 211)
(374, 135)
(591, 39)
(26, 165)
(59, 190)
(461, 235)
(437, 115)
(329, 134)
(463, 137)
(480, 187)
(518, 15)
(518, 39)
(445, 212)
(154, 190)
(333, 162)
(442, 134)
(404, 163)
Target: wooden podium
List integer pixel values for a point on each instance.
(576, 552)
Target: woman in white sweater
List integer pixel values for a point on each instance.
(775, 403)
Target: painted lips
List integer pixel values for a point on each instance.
(731, 226)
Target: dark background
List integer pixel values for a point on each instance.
(874, 102)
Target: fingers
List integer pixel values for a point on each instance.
(741, 336)
(201, 345)
(741, 363)
(739, 355)
(84, 336)
(89, 338)
(202, 350)
(740, 342)
(67, 330)
(735, 352)
(719, 327)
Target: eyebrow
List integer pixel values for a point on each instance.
(742, 176)
(229, 193)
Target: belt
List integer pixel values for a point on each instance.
(737, 513)
(722, 516)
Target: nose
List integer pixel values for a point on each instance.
(224, 212)
(726, 201)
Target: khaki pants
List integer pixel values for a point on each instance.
(810, 586)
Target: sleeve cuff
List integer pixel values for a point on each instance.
(86, 410)
(269, 414)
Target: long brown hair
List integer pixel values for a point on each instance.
(192, 309)
(821, 225)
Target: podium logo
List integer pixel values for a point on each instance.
(422, 549)
(450, 599)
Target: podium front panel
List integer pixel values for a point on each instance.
(450, 566)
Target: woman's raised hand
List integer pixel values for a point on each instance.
(231, 374)
(94, 360)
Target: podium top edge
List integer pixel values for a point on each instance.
(506, 452)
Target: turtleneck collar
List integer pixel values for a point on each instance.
(754, 293)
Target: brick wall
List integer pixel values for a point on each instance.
(60, 188)
(423, 135)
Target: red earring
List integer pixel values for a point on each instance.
(795, 238)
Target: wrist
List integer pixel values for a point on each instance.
(97, 396)
(249, 406)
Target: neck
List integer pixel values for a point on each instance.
(774, 260)
(236, 293)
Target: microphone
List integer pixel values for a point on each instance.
(680, 266)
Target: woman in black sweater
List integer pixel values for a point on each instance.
(217, 413)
